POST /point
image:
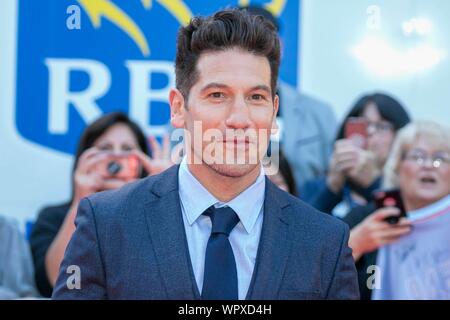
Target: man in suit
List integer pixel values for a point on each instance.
(213, 227)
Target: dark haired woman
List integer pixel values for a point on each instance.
(355, 172)
(114, 133)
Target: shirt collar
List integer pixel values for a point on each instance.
(435, 209)
(196, 198)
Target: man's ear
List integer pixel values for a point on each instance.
(177, 108)
(276, 105)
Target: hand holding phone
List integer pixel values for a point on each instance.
(390, 198)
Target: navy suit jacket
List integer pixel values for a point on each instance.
(131, 244)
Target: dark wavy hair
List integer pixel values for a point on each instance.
(226, 29)
(388, 107)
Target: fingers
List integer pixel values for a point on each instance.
(90, 163)
(161, 156)
(87, 153)
(141, 155)
(344, 149)
(345, 145)
(96, 181)
(392, 234)
(157, 152)
(86, 184)
(145, 160)
(376, 223)
(383, 213)
(345, 165)
(366, 159)
(166, 146)
(90, 158)
(176, 154)
(345, 156)
(374, 232)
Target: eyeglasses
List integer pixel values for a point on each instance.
(381, 127)
(420, 157)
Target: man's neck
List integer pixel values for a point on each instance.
(223, 188)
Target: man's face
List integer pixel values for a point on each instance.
(229, 113)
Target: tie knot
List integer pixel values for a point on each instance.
(223, 219)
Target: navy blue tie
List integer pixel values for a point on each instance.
(220, 277)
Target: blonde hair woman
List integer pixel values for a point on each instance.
(418, 165)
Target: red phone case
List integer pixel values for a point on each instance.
(356, 130)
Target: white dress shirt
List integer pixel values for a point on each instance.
(244, 238)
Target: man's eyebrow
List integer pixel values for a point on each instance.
(224, 86)
(214, 85)
(263, 87)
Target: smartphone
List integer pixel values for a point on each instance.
(390, 198)
(120, 166)
(356, 131)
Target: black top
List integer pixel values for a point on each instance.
(354, 217)
(47, 225)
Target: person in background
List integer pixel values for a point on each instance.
(307, 125)
(16, 267)
(280, 173)
(419, 165)
(113, 132)
(354, 172)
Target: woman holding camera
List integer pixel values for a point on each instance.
(107, 157)
(419, 167)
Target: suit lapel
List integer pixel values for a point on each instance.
(274, 247)
(166, 228)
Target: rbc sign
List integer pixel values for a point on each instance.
(119, 57)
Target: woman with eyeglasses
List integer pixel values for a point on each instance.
(355, 169)
(412, 257)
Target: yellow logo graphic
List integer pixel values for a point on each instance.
(96, 9)
(177, 8)
(275, 7)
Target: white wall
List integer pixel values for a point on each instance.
(330, 28)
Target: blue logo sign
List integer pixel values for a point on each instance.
(80, 59)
